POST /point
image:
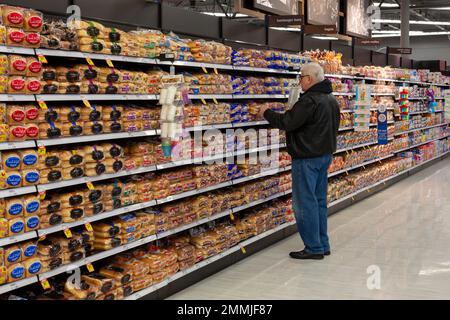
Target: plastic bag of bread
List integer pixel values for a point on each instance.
(3, 84)
(112, 113)
(93, 153)
(31, 113)
(17, 65)
(72, 129)
(92, 113)
(12, 16)
(71, 199)
(68, 88)
(50, 88)
(105, 284)
(65, 74)
(93, 169)
(93, 209)
(95, 195)
(49, 130)
(119, 275)
(49, 220)
(32, 40)
(16, 272)
(32, 223)
(93, 127)
(89, 87)
(72, 214)
(69, 114)
(83, 292)
(30, 177)
(16, 85)
(10, 160)
(112, 126)
(33, 85)
(87, 72)
(4, 63)
(15, 37)
(113, 165)
(71, 158)
(15, 114)
(51, 159)
(33, 20)
(12, 179)
(33, 67)
(50, 204)
(50, 175)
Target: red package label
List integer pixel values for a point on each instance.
(32, 114)
(18, 84)
(18, 115)
(35, 22)
(32, 131)
(17, 36)
(34, 85)
(33, 38)
(15, 18)
(19, 65)
(18, 132)
(35, 67)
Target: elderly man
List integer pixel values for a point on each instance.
(311, 127)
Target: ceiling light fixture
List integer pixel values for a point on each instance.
(221, 14)
(286, 29)
(412, 34)
(434, 23)
(324, 38)
(386, 5)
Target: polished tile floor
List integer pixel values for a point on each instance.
(393, 245)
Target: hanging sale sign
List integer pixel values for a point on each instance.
(382, 125)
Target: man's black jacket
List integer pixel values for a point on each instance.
(312, 124)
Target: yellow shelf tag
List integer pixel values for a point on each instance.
(215, 71)
(42, 59)
(45, 284)
(86, 103)
(203, 101)
(90, 62)
(204, 70)
(90, 185)
(243, 250)
(90, 267)
(109, 63)
(353, 198)
(88, 227)
(215, 101)
(68, 233)
(232, 216)
(42, 150)
(74, 152)
(43, 105)
(42, 195)
(42, 238)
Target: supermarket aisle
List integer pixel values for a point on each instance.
(404, 230)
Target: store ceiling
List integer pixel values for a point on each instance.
(421, 10)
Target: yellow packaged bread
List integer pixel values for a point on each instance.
(28, 159)
(13, 179)
(10, 160)
(16, 226)
(32, 267)
(30, 177)
(16, 272)
(12, 255)
(13, 208)
(4, 227)
(32, 223)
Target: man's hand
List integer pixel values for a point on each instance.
(262, 110)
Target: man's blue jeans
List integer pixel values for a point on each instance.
(309, 196)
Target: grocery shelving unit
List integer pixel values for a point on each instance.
(221, 259)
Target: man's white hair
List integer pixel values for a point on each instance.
(314, 70)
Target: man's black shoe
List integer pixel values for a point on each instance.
(327, 253)
(305, 255)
